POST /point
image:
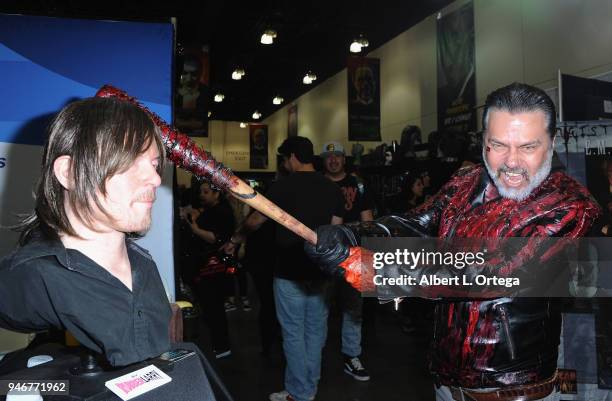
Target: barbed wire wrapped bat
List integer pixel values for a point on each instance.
(186, 154)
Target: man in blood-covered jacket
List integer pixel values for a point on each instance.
(502, 349)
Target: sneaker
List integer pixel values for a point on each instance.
(230, 306)
(285, 396)
(246, 305)
(223, 354)
(354, 367)
(281, 396)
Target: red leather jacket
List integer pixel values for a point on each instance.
(504, 341)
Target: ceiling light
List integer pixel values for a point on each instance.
(277, 100)
(219, 97)
(358, 44)
(256, 115)
(308, 78)
(268, 37)
(209, 114)
(243, 125)
(238, 74)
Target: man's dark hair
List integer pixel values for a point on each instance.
(298, 145)
(103, 137)
(521, 98)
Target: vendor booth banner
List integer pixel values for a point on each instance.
(258, 145)
(456, 71)
(191, 100)
(363, 81)
(46, 63)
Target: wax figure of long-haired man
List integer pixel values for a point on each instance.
(77, 267)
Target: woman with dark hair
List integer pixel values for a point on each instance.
(410, 196)
(212, 225)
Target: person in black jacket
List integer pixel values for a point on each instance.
(489, 348)
(212, 226)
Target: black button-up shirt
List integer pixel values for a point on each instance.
(43, 285)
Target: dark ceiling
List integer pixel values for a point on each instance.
(312, 35)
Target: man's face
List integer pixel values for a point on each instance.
(207, 195)
(334, 163)
(517, 152)
(130, 195)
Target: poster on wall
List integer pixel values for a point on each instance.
(258, 145)
(456, 71)
(292, 127)
(191, 100)
(363, 82)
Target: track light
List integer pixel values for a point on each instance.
(268, 37)
(243, 125)
(209, 114)
(358, 44)
(308, 78)
(277, 100)
(219, 97)
(256, 115)
(238, 74)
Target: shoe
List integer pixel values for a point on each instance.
(353, 367)
(246, 305)
(281, 396)
(229, 306)
(223, 354)
(285, 396)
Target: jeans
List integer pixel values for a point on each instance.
(351, 305)
(302, 311)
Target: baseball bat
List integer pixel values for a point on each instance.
(185, 153)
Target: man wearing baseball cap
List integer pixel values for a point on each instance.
(357, 207)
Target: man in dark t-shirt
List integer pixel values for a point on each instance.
(357, 207)
(299, 285)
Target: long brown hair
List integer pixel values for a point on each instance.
(103, 137)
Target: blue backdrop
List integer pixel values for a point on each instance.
(47, 62)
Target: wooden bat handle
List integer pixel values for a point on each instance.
(257, 201)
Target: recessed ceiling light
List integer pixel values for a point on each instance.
(308, 78)
(268, 37)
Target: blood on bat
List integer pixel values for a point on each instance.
(181, 149)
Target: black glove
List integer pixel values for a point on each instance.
(333, 246)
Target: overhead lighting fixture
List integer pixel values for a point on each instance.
(243, 125)
(268, 37)
(308, 78)
(277, 100)
(359, 44)
(256, 115)
(209, 114)
(238, 74)
(219, 97)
